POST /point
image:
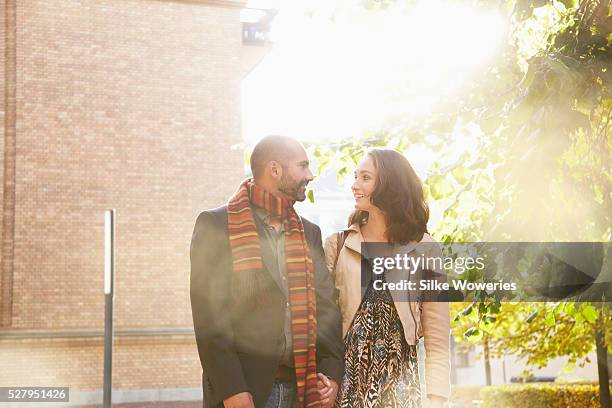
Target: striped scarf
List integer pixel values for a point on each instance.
(246, 258)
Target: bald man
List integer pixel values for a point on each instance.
(268, 331)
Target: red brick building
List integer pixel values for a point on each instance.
(126, 104)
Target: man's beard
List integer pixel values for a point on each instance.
(293, 189)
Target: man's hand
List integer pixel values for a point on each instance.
(240, 400)
(328, 389)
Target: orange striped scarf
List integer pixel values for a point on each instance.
(246, 257)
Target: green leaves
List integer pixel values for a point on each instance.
(310, 195)
(474, 335)
(439, 186)
(540, 169)
(471, 332)
(563, 330)
(549, 319)
(531, 317)
(461, 174)
(590, 313)
(468, 310)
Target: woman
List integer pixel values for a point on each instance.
(380, 334)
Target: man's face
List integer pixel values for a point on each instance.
(296, 175)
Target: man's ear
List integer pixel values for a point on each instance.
(276, 170)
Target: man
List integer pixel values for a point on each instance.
(267, 326)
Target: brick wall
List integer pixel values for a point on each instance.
(138, 363)
(131, 104)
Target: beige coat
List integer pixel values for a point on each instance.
(432, 318)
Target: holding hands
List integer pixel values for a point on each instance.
(240, 400)
(328, 389)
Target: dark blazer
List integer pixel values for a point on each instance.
(239, 341)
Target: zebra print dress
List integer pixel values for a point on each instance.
(381, 369)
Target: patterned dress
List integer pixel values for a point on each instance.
(381, 369)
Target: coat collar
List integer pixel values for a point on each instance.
(354, 239)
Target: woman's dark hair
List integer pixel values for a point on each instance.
(399, 194)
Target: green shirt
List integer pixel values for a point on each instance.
(276, 240)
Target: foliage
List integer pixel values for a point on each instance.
(540, 120)
(465, 394)
(544, 395)
(536, 332)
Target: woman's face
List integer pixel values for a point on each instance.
(366, 175)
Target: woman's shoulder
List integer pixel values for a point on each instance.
(332, 239)
(347, 230)
(428, 238)
(428, 244)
